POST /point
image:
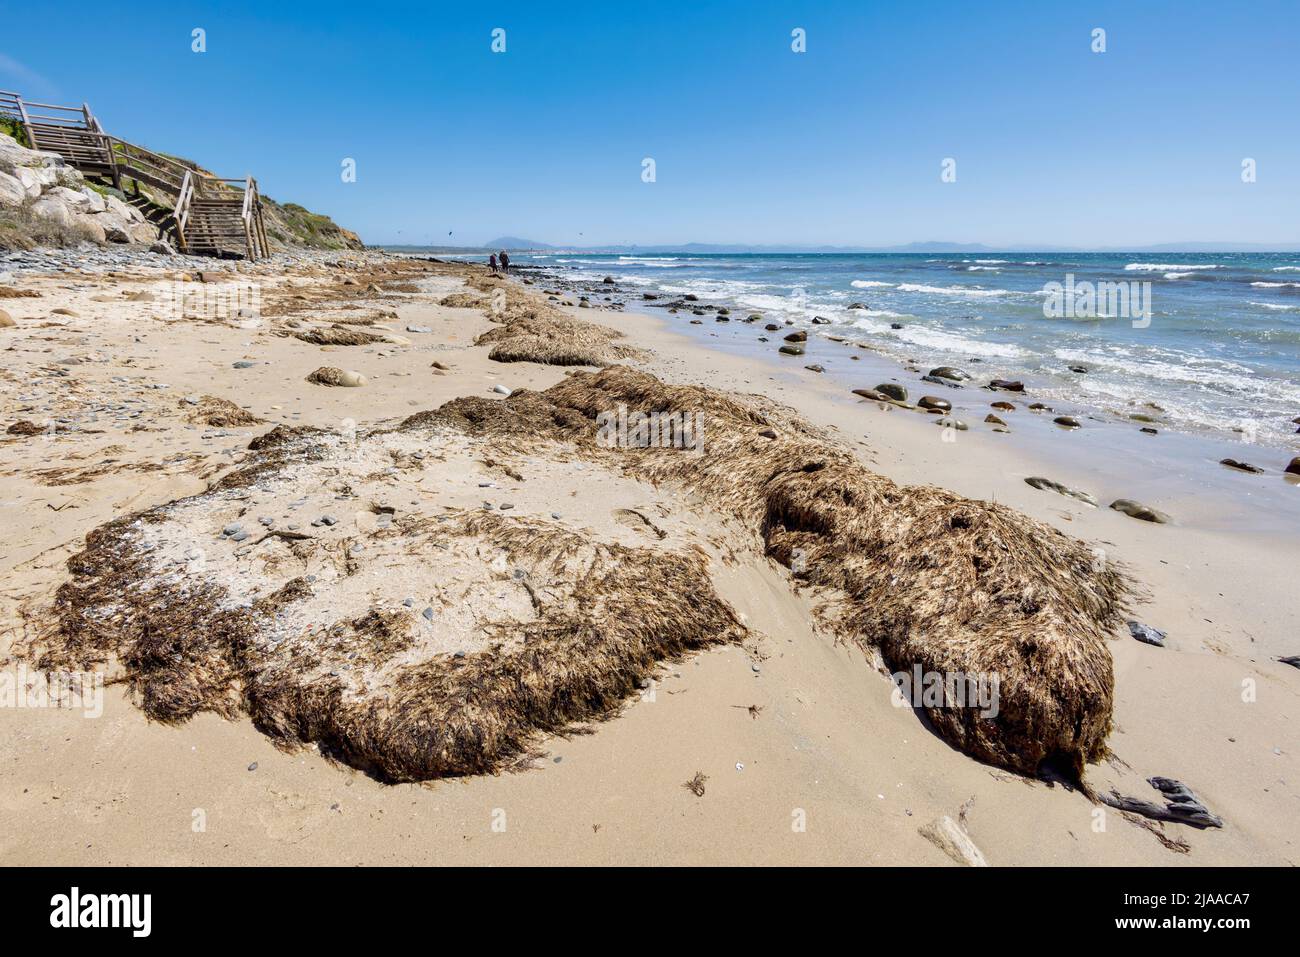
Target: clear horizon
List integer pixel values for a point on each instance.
(753, 143)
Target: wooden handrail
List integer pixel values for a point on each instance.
(125, 159)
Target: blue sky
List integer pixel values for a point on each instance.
(753, 143)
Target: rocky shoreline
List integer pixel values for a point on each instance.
(792, 341)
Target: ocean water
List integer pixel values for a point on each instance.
(1218, 349)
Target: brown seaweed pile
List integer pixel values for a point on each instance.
(527, 626)
(953, 585)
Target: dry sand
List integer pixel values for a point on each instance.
(804, 756)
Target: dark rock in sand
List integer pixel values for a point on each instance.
(1067, 421)
(768, 433)
(1007, 385)
(1039, 407)
(1003, 406)
(814, 368)
(1079, 369)
(1149, 431)
(608, 280)
(893, 390)
(724, 311)
(721, 318)
(992, 419)
(948, 372)
(895, 325)
(1139, 511)
(857, 305)
(820, 321)
(1152, 636)
(1242, 466)
(799, 336)
(691, 297)
(771, 327)
(1294, 467)
(934, 402)
(935, 380)
(754, 318)
(792, 350)
(1292, 660)
(1046, 484)
(649, 295)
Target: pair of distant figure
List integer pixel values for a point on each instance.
(501, 261)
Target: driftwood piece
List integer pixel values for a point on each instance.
(1182, 806)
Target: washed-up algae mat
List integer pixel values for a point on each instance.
(518, 626)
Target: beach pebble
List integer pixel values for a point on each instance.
(815, 368)
(1039, 407)
(1004, 406)
(893, 391)
(253, 766)
(6, 320)
(501, 390)
(1242, 466)
(1079, 369)
(1294, 467)
(949, 372)
(428, 614)
(1007, 385)
(992, 419)
(1038, 482)
(934, 402)
(1067, 421)
(1139, 511)
(935, 380)
(232, 529)
(244, 364)
(792, 350)
(872, 394)
(1152, 636)
(797, 336)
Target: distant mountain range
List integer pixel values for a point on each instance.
(518, 244)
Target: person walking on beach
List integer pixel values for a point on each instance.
(492, 263)
(505, 262)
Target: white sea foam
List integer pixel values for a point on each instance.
(954, 342)
(1286, 269)
(1167, 267)
(870, 284)
(1274, 306)
(1276, 285)
(954, 290)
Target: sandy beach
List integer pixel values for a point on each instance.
(798, 747)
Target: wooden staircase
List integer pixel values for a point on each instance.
(205, 215)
